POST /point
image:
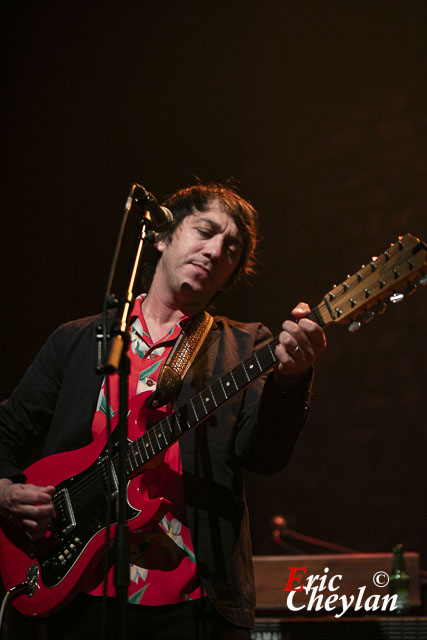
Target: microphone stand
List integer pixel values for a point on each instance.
(117, 361)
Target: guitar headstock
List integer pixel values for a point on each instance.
(377, 283)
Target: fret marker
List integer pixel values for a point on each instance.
(251, 366)
(227, 384)
(206, 399)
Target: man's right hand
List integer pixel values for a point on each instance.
(28, 506)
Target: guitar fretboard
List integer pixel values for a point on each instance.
(168, 430)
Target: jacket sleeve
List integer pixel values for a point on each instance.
(270, 420)
(26, 416)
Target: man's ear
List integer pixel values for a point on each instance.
(159, 244)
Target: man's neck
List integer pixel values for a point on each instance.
(160, 312)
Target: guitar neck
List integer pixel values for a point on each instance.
(168, 430)
(402, 262)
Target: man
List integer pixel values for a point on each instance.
(191, 575)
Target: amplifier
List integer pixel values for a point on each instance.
(371, 628)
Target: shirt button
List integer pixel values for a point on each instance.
(149, 382)
(152, 356)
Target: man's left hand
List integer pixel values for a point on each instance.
(300, 344)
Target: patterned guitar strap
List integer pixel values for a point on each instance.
(180, 359)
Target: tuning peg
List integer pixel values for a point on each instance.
(396, 297)
(368, 316)
(382, 306)
(354, 326)
(379, 307)
(410, 288)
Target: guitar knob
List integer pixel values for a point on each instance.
(354, 326)
(396, 297)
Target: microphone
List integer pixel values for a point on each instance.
(161, 217)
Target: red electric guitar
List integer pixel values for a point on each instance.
(54, 568)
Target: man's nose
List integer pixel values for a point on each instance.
(214, 247)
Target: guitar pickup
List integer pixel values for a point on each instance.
(65, 520)
(111, 477)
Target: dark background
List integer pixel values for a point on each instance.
(318, 109)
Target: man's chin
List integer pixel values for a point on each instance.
(196, 289)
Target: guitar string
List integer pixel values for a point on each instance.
(197, 402)
(80, 487)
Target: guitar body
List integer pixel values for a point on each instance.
(69, 558)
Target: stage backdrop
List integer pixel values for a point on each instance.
(318, 109)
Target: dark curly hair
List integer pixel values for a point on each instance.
(199, 197)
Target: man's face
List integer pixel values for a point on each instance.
(202, 255)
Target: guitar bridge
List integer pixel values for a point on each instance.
(65, 520)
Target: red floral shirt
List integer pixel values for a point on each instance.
(165, 571)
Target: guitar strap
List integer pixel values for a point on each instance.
(180, 359)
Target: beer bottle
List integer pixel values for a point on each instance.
(399, 581)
